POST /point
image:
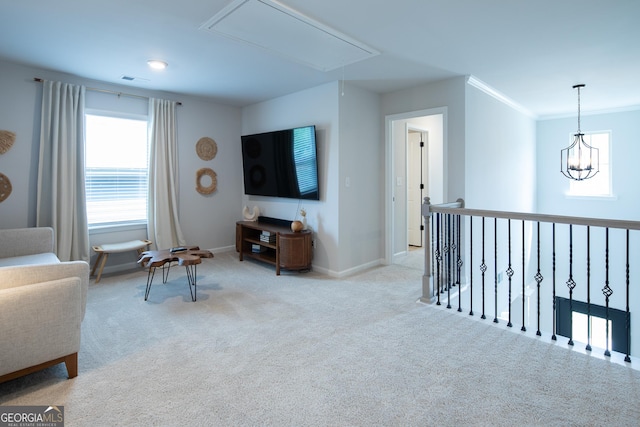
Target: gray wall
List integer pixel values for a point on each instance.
(361, 181)
(500, 155)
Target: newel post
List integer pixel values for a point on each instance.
(427, 283)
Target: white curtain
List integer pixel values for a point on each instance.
(163, 226)
(61, 194)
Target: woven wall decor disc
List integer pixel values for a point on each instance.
(6, 140)
(206, 148)
(211, 187)
(5, 187)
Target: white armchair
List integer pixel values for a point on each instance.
(42, 304)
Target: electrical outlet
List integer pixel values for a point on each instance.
(313, 243)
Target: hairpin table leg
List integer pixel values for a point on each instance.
(191, 279)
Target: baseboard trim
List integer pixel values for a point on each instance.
(354, 270)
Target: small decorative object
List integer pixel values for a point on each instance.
(211, 187)
(303, 214)
(206, 148)
(5, 187)
(296, 226)
(251, 216)
(7, 139)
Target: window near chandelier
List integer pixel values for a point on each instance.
(116, 169)
(600, 184)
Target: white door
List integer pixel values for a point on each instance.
(416, 185)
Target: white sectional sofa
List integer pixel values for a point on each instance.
(42, 304)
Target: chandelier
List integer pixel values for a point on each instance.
(579, 160)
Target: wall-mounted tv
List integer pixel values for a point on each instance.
(281, 164)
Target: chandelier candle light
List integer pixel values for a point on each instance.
(579, 161)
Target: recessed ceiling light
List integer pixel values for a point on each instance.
(157, 65)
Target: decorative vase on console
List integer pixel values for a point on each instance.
(251, 216)
(303, 220)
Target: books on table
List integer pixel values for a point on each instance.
(268, 237)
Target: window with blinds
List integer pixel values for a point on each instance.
(116, 169)
(304, 156)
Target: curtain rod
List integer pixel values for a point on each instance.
(39, 80)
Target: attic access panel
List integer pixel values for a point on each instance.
(273, 26)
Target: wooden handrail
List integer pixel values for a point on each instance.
(558, 219)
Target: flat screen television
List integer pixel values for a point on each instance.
(281, 163)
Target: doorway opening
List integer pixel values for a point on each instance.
(410, 166)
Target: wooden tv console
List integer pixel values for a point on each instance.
(290, 250)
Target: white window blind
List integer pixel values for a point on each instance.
(116, 170)
(304, 157)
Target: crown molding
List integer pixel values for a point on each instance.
(590, 113)
(479, 84)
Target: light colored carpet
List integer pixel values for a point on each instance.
(308, 350)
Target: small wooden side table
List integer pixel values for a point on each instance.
(189, 256)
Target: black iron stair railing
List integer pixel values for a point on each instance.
(453, 237)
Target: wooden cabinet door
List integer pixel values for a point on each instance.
(295, 251)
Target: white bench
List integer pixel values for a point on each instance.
(103, 252)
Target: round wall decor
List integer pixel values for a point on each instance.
(7, 139)
(5, 187)
(206, 148)
(209, 188)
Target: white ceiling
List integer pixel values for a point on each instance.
(532, 52)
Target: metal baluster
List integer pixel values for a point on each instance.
(539, 279)
(450, 252)
(445, 253)
(553, 336)
(459, 265)
(495, 270)
(509, 270)
(438, 259)
(523, 328)
(471, 264)
(627, 358)
(448, 260)
(607, 291)
(571, 283)
(454, 248)
(483, 269)
(433, 257)
(588, 348)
